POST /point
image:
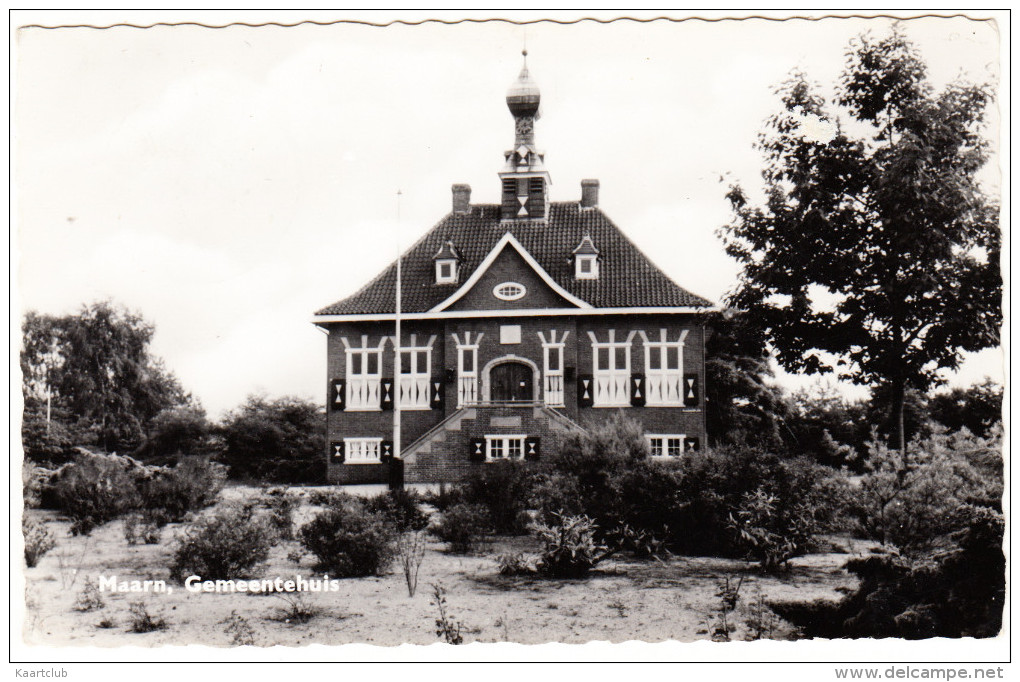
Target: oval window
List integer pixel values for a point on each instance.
(509, 291)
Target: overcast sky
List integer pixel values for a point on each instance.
(228, 183)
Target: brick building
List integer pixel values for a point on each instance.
(518, 320)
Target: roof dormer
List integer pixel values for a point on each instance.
(586, 260)
(447, 264)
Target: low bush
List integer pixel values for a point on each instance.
(38, 540)
(461, 525)
(570, 549)
(193, 484)
(349, 542)
(95, 489)
(89, 598)
(226, 543)
(503, 489)
(401, 508)
(142, 621)
(514, 564)
(444, 497)
(140, 528)
(280, 506)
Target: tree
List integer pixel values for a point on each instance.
(876, 252)
(742, 404)
(95, 367)
(280, 440)
(976, 408)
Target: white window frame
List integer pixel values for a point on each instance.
(504, 441)
(552, 381)
(521, 292)
(413, 384)
(593, 262)
(363, 389)
(362, 450)
(467, 382)
(452, 277)
(661, 450)
(611, 385)
(664, 386)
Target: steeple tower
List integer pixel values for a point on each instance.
(525, 179)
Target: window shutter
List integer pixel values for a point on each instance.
(336, 452)
(477, 450)
(436, 394)
(337, 394)
(690, 390)
(532, 448)
(585, 390)
(386, 387)
(386, 450)
(637, 390)
(691, 443)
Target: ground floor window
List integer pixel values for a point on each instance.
(666, 445)
(504, 447)
(362, 450)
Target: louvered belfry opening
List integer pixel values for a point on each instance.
(524, 198)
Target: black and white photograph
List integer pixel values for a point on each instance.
(373, 330)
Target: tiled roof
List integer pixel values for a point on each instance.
(626, 277)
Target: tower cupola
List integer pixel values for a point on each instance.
(525, 194)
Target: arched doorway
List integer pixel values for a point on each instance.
(510, 381)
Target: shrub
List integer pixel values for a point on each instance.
(460, 526)
(278, 441)
(447, 628)
(90, 598)
(96, 489)
(513, 564)
(139, 528)
(411, 552)
(38, 540)
(176, 431)
(193, 484)
(227, 543)
(502, 488)
(33, 479)
(280, 506)
(569, 547)
(401, 508)
(142, 620)
(349, 542)
(444, 497)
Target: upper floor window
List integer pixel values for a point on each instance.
(509, 291)
(664, 370)
(415, 371)
(611, 373)
(553, 374)
(364, 371)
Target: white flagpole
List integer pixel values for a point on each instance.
(396, 346)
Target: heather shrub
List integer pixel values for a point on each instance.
(141, 528)
(95, 489)
(38, 540)
(227, 542)
(461, 525)
(280, 506)
(443, 497)
(349, 541)
(502, 488)
(514, 564)
(193, 484)
(401, 508)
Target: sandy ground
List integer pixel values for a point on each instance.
(623, 600)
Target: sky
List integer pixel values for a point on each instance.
(227, 183)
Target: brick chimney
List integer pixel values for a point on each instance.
(589, 193)
(462, 198)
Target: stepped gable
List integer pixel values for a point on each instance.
(627, 278)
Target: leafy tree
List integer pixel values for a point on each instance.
(95, 366)
(175, 431)
(876, 252)
(742, 404)
(278, 440)
(976, 408)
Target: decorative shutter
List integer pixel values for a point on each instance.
(637, 390)
(436, 393)
(477, 450)
(691, 443)
(337, 394)
(336, 452)
(386, 450)
(690, 390)
(532, 448)
(585, 390)
(386, 388)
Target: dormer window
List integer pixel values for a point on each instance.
(447, 264)
(586, 260)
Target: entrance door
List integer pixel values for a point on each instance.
(511, 382)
